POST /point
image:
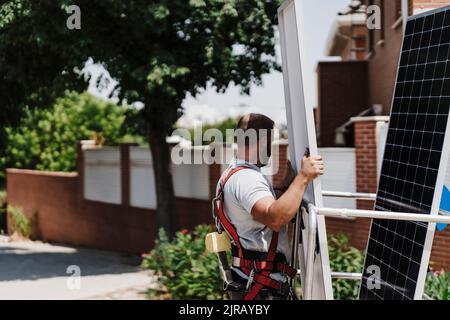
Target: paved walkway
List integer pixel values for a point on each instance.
(34, 270)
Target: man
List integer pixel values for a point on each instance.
(256, 221)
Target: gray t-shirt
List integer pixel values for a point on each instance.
(241, 192)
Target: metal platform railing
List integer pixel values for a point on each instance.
(313, 212)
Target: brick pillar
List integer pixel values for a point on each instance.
(366, 158)
(279, 158)
(218, 153)
(215, 171)
(80, 170)
(125, 167)
(366, 171)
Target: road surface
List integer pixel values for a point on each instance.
(34, 270)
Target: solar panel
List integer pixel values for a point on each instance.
(414, 155)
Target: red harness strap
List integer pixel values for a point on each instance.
(265, 265)
(250, 266)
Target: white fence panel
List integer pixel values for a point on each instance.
(192, 180)
(382, 130)
(340, 175)
(102, 175)
(142, 179)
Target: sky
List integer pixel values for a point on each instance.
(210, 107)
(269, 99)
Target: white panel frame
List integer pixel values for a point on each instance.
(420, 286)
(302, 131)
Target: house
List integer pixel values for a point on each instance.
(355, 95)
(362, 82)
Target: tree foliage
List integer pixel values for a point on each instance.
(158, 51)
(46, 139)
(37, 63)
(222, 126)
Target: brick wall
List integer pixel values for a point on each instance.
(215, 172)
(280, 157)
(64, 216)
(340, 96)
(383, 59)
(366, 173)
(430, 4)
(366, 158)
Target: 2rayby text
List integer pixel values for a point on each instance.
(225, 310)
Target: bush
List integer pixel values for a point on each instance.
(437, 285)
(3, 212)
(20, 223)
(229, 123)
(344, 258)
(184, 268)
(46, 139)
(186, 271)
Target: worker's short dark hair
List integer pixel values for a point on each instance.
(257, 122)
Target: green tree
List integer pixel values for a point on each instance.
(158, 51)
(37, 63)
(222, 126)
(46, 139)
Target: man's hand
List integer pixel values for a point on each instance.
(312, 167)
(277, 213)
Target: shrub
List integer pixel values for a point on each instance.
(184, 268)
(2, 212)
(186, 271)
(46, 139)
(20, 223)
(344, 258)
(229, 123)
(437, 285)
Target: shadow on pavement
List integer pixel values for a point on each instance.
(30, 261)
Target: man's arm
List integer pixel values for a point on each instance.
(277, 213)
(288, 178)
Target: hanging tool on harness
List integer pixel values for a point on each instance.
(257, 266)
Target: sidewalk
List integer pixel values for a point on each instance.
(34, 270)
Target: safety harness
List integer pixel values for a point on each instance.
(257, 270)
